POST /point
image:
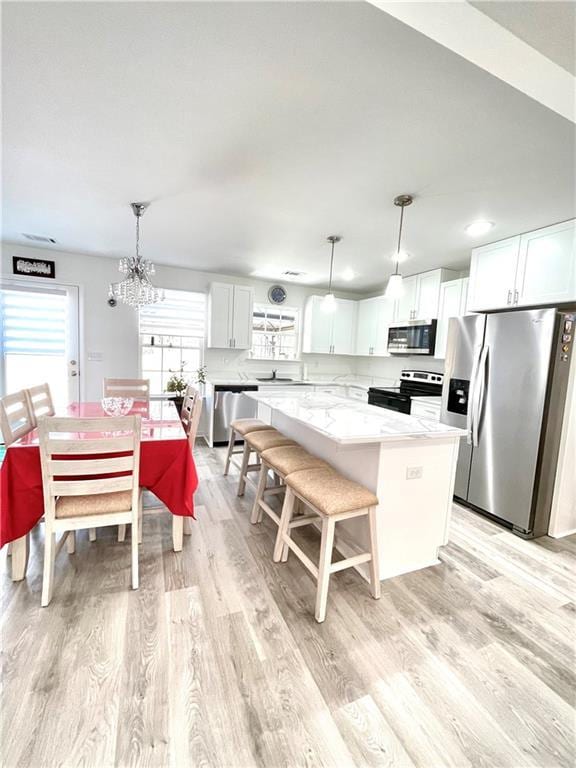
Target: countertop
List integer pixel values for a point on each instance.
(295, 382)
(349, 421)
(429, 399)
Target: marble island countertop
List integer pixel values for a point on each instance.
(348, 421)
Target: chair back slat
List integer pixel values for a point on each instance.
(90, 466)
(91, 487)
(138, 389)
(62, 470)
(194, 421)
(40, 402)
(190, 397)
(15, 417)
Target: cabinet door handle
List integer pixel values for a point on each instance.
(515, 297)
(509, 299)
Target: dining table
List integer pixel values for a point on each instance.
(167, 469)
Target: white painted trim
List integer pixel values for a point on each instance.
(459, 26)
(562, 534)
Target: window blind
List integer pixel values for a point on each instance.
(33, 322)
(182, 313)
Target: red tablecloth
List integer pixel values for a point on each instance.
(166, 468)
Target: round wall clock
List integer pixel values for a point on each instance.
(277, 294)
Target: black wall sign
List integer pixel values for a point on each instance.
(34, 267)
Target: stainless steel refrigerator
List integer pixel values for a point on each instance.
(505, 381)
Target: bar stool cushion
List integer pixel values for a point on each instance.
(244, 426)
(264, 439)
(329, 492)
(292, 458)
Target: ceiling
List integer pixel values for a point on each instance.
(257, 129)
(549, 26)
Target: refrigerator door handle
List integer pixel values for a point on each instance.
(472, 397)
(479, 397)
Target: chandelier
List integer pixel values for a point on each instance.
(136, 289)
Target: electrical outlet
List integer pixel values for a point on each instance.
(413, 473)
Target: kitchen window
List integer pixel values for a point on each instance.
(274, 333)
(172, 337)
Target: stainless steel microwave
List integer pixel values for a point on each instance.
(412, 337)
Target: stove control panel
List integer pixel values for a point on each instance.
(428, 377)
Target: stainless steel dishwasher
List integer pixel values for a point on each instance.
(231, 403)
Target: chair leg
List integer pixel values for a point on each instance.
(244, 469)
(140, 516)
(177, 532)
(92, 534)
(230, 449)
(285, 518)
(71, 542)
(374, 564)
(48, 578)
(327, 542)
(20, 552)
(122, 532)
(134, 551)
(9, 549)
(187, 526)
(255, 516)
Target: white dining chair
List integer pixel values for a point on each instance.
(138, 389)
(40, 400)
(16, 418)
(72, 502)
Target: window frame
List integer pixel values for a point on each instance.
(268, 308)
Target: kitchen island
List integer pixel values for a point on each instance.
(408, 462)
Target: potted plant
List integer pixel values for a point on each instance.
(176, 385)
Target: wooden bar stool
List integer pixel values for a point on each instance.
(332, 498)
(258, 442)
(281, 461)
(240, 428)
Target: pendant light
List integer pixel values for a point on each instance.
(395, 287)
(136, 289)
(329, 301)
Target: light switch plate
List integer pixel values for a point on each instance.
(413, 473)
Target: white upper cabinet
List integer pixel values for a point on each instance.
(547, 266)
(329, 332)
(230, 310)
(374, 318)
(421, 296)
(453, 296)
(493, 275)
(533, 269)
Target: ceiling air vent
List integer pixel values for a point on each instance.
(292, 273)
(39, 238)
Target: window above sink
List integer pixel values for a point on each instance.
(275, 335)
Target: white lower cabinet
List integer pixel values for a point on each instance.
(332, 333)
(453, 297)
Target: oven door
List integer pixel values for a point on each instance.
(417, 338)
(393, 401)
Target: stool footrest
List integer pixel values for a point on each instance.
(304, 520)
(350, 562)
(302, 556)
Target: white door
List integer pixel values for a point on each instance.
(493, 275)
(317, 327)
(428, 295)
(406, 304)
(220, 304)
(242, 317)
(39, 338)
(366, 327)
(385, 316)
(547, 265)
(344, 327)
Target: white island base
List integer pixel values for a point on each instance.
(412, 475)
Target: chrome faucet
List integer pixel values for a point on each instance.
(274, 373)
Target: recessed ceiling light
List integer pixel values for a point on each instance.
(348, 274)
(479, 228)
(400, 256)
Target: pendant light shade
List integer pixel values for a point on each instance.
(395, 287)
(329, 301)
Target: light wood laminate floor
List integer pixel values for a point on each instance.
(217, 660)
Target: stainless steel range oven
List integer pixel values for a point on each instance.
(414, 337)
(412, 384)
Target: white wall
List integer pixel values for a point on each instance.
(112, 333)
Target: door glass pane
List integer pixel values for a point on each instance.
(34, 340)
